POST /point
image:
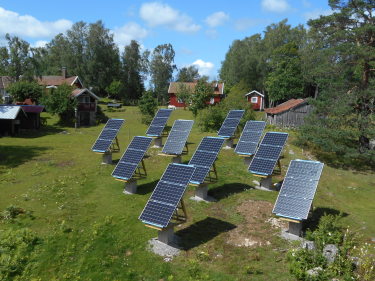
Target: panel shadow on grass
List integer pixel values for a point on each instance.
(43, 131)
(313, 221)
(146, 188)
(228, 189)
(202, 231)
(12, 156)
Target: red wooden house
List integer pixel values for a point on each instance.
(256, 99)
(174, 87)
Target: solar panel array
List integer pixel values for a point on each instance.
(268, 153)
(107, 135)
(204, 157)
(248, 142)
(230, 123)
(158, 123)
(177, 137)
(167, 194)
(298, 189)
(129, 161)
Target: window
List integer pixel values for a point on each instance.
(254, 99)
(212, 100)
(179, 100)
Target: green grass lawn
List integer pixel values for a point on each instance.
(89, 230)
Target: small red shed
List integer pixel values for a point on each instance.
(256, 99)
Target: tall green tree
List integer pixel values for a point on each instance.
(342, 123)
(132, 64)
(23, 89)
(148, 106)
(184, 94)
(161, 70)
(188, 74)
(4, 61)
(202, 93)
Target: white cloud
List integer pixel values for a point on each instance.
(316, 14)
(204, 68)
(130, 31)
(246, 23)
(216, 19)
(212, 33)
(155, 13)
(26, 25)
(39, 43)
(277, 6)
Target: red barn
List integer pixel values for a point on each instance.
(174, 87)
(256, 99)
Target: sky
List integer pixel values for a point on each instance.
(200, 32)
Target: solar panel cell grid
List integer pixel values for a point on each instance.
(179, 174)
(297, 188)
(262, 166)
(254, 126)
(226, 131)
(102, 145)
(235, 114)
(250, 136)
(124, 170)
(268, 152)
(168, 193)
(289, 207)
(140, 143)
(114, 124)
(203, 158)
(156, 213)
(211, 144)
(132, 156)
(199, 175)
(246, 147)
(163, 113)
(277, 139)
(108, 134)
(231, 122)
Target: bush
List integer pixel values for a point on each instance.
(22, 90)
(100, 116)
(148, 107)
(11, 213)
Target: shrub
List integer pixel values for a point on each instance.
(22, 90)
(147, 106)
(11, 212)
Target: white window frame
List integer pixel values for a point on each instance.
(179, 100)
(212, 100)
(254, 100)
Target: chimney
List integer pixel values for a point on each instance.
(63, 72)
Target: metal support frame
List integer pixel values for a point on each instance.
(141, 170)
(278, 172)
(115, 146)
(214, 172)
(180, 214)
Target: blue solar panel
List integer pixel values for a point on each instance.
(204, 157)
(230, 123)
(107, 135)
(248, 142)
(268, 153)
(298, 189)
(129, 161)
(177, 137)
(167, 194)
(158, 123)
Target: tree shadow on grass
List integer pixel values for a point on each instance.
(147, 188)
(228, 189)
(43, 131)
(313, 221)
(12, 156)
(202, 231)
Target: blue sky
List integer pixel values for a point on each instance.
(200, 31)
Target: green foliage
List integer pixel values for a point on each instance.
(329, 231)
(115, 89)
(147, 106)
(211, 118)
(161, 70)
(60, 102)
(16, 248)
(100, 116)
(11, 213)
(202, 93)
(22, 90)
(184, 94)
(285, 80)
(188, 74)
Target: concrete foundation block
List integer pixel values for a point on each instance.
(295, 228)
(177, 159)
(266, 183)
(107, 158)
(247, 160)
(167, 235)
(228, 144)
(201, 192)
(158, 142)
(130, 187)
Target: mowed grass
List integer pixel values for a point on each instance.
(90, 230)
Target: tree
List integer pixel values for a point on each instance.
(4, 61)
(22, 90)
(161, 69)
(285, 81)
(133, 65)
(184, 94)
(59, 101)
(202, 93)
(115, 89)
(342, 123)
(147, 106)
(188, 74)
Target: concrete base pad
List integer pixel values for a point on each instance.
(265, 184)
(164, 250)
(201, 194)
(208, 199)
(228, 144)
(107, 158)
(130, 187)
(289, 236)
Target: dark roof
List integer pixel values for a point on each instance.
(285, 106)
(32, 108)
(173, 87)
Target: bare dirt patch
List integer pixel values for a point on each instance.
(68, 163)
(259, 226)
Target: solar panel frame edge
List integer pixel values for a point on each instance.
(188, 134)
(101, 151)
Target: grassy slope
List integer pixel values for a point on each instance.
(90, 230)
